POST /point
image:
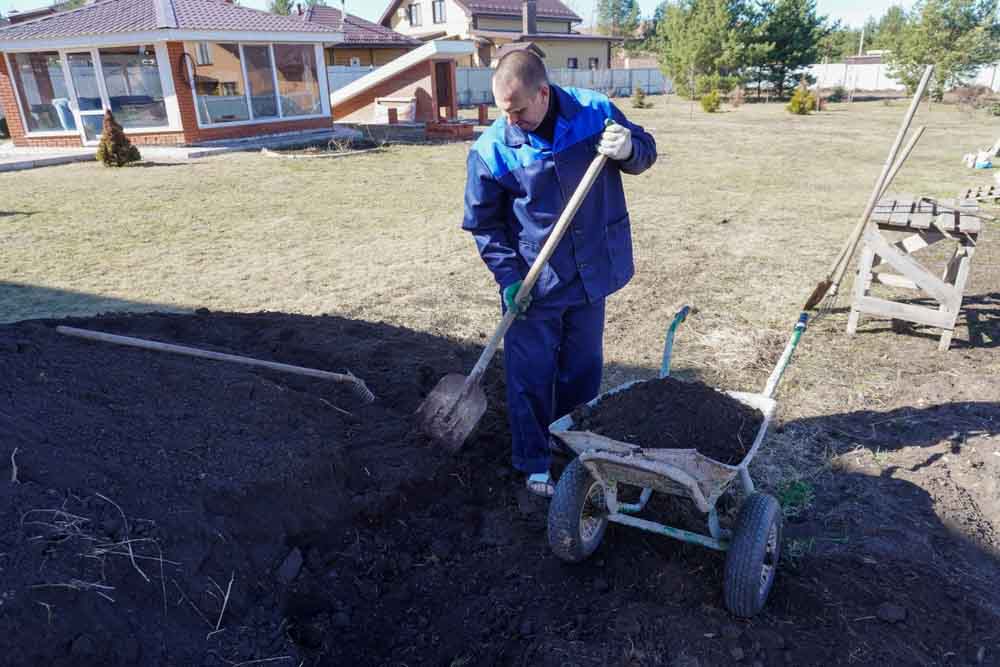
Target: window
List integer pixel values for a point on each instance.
(413, 13)
(132, 80)
(260, 81)
(571, 63)
(247, 82)
(355, 61)
(42, 89)
(594, 63)
(219, 85)
(204, 54)
(298, 83)
(437, 8)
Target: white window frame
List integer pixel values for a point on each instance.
(409, 14)
(443, 18)
(575, 65)
(166, 84)
(203, 54)
(324, 92)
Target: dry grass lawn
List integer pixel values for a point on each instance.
(740, 217)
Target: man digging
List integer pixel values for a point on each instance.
(521, 173)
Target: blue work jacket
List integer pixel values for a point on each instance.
(518, 184)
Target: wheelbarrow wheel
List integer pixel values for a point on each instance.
(753, 555)
(578, 515)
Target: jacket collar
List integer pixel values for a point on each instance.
(568, 108)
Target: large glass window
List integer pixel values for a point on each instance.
(219, 87)
(260, 78)
(297, 81)
(438, 9)
(44, 94)
(281, 81)
(132, 79)
(413, 13)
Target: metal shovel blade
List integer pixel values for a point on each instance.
(452, 410)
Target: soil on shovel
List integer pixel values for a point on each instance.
(670, 414)
(163, 510)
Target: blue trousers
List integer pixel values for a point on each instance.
(553, 364)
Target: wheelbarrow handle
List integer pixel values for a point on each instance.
(786, 356)
(668, 345)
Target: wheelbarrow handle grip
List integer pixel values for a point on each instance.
(668, 345)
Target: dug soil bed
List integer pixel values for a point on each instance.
(162, 510)
(670, 414)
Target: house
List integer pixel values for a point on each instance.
(365, 44)
(15, 16)
(548, 24)
(172, 71)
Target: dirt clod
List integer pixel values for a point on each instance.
(891, 613)
(671, 414)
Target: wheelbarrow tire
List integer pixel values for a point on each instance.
(752, 560)
(573, 536)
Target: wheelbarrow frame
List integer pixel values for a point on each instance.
(683, 473)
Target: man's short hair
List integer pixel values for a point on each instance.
(524, 67)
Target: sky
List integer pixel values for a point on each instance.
(850, 12)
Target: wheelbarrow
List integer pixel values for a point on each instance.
(586, 496)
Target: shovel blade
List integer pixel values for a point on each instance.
(452, 410)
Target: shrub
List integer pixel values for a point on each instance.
(4, 130)
(802, 101)
(839, 94)
(639, 99)
(737, 96)
(972, 97)
(995, 109)
(711, 102)
(115, 150)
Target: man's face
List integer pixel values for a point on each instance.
(520, 107)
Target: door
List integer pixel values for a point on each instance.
(89, 91)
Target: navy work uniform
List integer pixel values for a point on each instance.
(518, 184)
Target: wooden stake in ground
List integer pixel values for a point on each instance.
(830, 284)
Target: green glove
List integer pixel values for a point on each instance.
(509, 293)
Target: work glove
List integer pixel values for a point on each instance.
(616, 142)
(509, 293)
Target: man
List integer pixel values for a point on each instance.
(521, 173)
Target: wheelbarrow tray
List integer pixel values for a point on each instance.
(680, 472)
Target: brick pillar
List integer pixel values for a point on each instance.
(484, 114)
(8, 102)
(182, 88)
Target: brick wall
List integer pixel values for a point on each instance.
(190, 132)
(9, 103)
(417, 82)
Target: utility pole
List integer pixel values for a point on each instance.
(861, 43)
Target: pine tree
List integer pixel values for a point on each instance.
(795, 31)
(280, 7)
(956, 36)
(115, 150)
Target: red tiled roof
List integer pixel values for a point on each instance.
(123, 16)
(356, 30)
(545, 9)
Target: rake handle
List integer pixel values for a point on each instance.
(204, 354)
(581, 192)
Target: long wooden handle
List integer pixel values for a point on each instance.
(845, 259)
(204, 354)
(852, 241)
(536, 268)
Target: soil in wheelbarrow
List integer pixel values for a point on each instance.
(671, 414)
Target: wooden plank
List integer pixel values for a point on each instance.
(914, 243)
(904, 311)
(893, 280)
(862, 283)
(910, 268)
(921, 220)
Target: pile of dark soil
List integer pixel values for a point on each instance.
(670, 414)
(177, 511)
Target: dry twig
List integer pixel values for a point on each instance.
(13, 467)
(127, 542)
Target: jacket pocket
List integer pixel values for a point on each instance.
(547, 278)
(620, 251)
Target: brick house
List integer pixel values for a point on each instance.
(491, 24)
(172, 72)
(365, 44)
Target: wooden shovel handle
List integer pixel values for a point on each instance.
(536, 268)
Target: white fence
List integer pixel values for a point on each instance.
(876, 77)
(474, 82)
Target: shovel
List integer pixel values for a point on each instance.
(454, 407)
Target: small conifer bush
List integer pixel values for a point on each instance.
(711, 101)
(115, 150)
